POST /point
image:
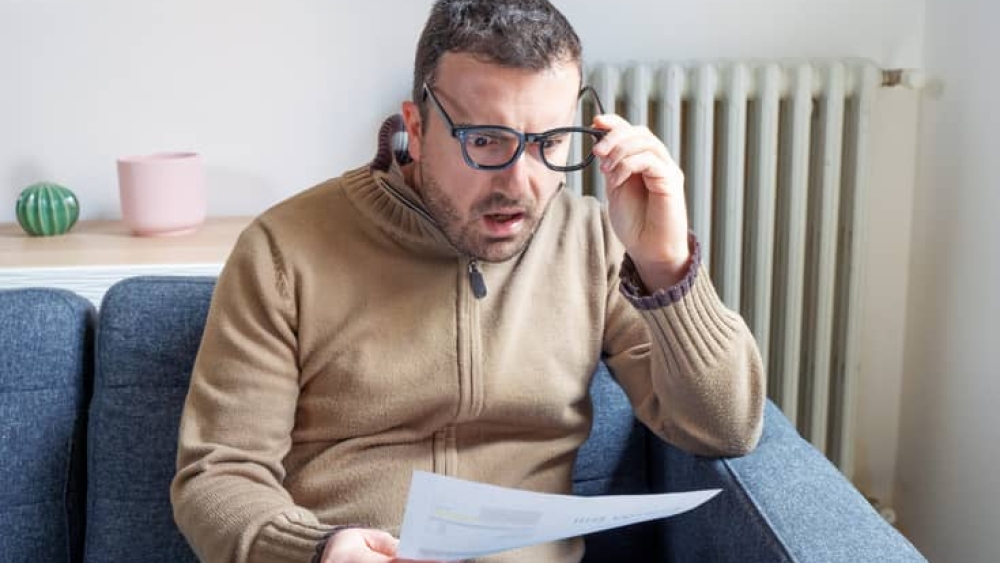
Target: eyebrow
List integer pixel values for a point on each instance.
(453, 107)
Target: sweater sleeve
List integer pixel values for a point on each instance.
(690, 366)
(236, 426)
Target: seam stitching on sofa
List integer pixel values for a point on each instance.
(4, 391)
(55, 500)
(760, 519)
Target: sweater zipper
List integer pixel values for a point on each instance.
(476, 280)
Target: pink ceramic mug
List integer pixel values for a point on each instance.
(162, 193)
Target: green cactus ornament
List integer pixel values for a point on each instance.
(46, 209)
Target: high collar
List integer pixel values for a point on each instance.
(388, 202)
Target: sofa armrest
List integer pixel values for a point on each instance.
(784, 501)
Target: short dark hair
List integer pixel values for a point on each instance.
(527, 34)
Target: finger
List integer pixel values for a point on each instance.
(635, 144)
(646, 164)
(358, 546)
(616, 130)
(609, 121)
(626, 140)
(615, 126)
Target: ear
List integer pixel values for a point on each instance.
(414, 130)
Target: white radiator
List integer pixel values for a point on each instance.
(775, 156)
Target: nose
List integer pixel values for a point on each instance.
(515, 180)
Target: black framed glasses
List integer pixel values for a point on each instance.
(495, 147)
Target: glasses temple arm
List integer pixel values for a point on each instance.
(597, 99)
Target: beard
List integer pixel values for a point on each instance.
(467, 234)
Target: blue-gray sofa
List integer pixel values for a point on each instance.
(90, 402)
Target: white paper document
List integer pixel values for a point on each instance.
(452, 519)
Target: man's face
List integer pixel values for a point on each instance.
(489, 215)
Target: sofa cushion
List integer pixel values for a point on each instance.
(613, 461)
(45, 376)
(149, 332)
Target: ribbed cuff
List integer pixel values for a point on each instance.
(696, 331)
(286, 538)
(638, 295)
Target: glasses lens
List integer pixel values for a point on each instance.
(490, 146)
(569, 148)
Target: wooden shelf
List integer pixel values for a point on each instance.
(96, 254)
(109, 243)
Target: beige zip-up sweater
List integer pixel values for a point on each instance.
(344, 349)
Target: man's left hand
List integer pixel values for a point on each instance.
(646, 203)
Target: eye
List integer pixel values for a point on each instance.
(482, 141)
(552, 141)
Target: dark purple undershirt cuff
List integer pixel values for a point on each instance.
(635, 291)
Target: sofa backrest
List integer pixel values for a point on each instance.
(149, 332)
(45, 374)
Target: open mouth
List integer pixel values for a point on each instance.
(505, 217)
(504, 224)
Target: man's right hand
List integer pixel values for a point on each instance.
(360, 545)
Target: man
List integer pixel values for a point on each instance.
(446, 314)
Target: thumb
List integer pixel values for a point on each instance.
(381, 542)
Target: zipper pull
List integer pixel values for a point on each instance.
(476, 280)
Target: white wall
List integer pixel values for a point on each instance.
(280, 95)
(948, 482)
